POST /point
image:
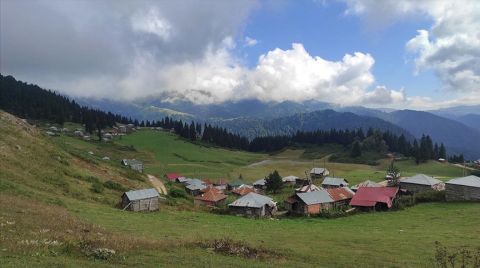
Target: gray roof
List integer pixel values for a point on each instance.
(318, 170)
(335, 181)
(367, 183)
(260, 182)
(421, 179)
(194, 182)
(472, 181)
(289, 178)
(141, 194)
(252, 200)
(315, 197)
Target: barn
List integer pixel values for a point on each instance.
(374, 198)
(421, 183)
(141, 200)
(309, 203)
(253, 205)
(465, 188)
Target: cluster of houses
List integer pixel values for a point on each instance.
(107, 135)
(307, 198)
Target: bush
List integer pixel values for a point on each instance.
(115, 186)
(404, 201)
(332, 214)
(97, 187)
(178, 193)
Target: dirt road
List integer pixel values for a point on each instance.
(158, 184)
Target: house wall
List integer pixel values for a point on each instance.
(313, 209)
(149, 204)
(415, 188)
(246, 211)
(461, 192)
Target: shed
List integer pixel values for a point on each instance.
(421, 183)
(309, 203)
(212, 197)
(464, 188)
(374, 197)
(141, 200)
(194, 186)
(290, 180)
(318, 173)
(253, 205)
(330, 182)
(133, 164)
(341, 196)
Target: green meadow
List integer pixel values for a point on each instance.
(46, 195)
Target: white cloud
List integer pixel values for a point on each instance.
(250, 42)
(151, 22)
(451, 47)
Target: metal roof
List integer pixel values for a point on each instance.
(315, 197)
(195, 186)
(260, 182)
(130, 162)
(194, 182)
(335, 181)
(472, 181)
(289, 178)
(421, 179)
(252, 200)
(367, 183)
(141, 194)
(318, 170)
(307, 188)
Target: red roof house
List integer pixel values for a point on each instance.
(341, 196)
(243, 191)
(374, 197)
(210, 198)
(171, 176)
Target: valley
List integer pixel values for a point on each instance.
(59, 173)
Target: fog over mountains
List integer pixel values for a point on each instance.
(457, 127)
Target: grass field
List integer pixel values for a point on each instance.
(46, 195)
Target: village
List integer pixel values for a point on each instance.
(314, 194)
(332, 194)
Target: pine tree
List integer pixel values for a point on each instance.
(273, 182)
(356, 149)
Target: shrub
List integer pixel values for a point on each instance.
(404, 201)
(114, 186)
(178, 193)
(97, 187)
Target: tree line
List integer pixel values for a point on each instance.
(34, 103)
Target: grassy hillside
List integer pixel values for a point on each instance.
(51, 217)
(174, 154)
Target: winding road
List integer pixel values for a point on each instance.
(158, 184)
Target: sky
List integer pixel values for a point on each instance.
(376, 53)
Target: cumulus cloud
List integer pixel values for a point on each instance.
(451, 47)
(152, 22)
(250, 42)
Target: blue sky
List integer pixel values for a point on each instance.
(376, 53)
(326, 31)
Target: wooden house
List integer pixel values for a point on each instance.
(318, 173)
(465, 188)
(211, 197)
(330, 182)
(243, 190)
(289, 180)
(309, 203)
(421, 183)
(195, 186)
(133, 164)
(253, 205)
(221, 184)
(307, 188)
(261, 184)
(374, 198)
(141, 200)
(341, 196)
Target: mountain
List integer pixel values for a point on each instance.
(155, 109)
(457, 137)
(323, 119)
(468, 115)
(471, 120)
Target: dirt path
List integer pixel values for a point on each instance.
(158, 184)
(461, 166)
